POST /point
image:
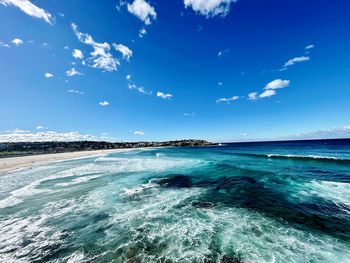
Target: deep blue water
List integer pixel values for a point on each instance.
(246, 202)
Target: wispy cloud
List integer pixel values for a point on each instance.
(189, 114)
(139, 89)
(164, 95)
(210, 8)
(30, 9)
(73, 72)
(19, 136)
(20, 131)
(76, 91)
(104, 103)
(77, 54)
(143, 10)
(309, 47)
(2, 44)
(228, 100)
(332, 133)
(17, 41)
(126, 52)
(48, 75)
(223, 52)
(139, 133)
(292, 61)
(128, 77)
(101, 56)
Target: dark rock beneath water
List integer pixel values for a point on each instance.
(200, 204)
(227, 259)
(176, 181)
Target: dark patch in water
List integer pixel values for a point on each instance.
(99, 217)
(243, 190)
(227, 259)
(176, 181)
(199, 204)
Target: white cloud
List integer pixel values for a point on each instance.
(139, 133)
(140, 89)
(142, 32)
(73, 72)
(189, 114)
(244, 134)
(128, 77)
(143, 10)
(309, 47)
(252, 96)
(295, 60)
(227, 99)
(2, 44)
(18, 136)
(163, 95)
(29, 8)
(104, 103)
(270, 89)
(267, 93)
(66, 47)
(126, 52)
(210, 8)
(76, 91)
(77, 54)
(220, 83)
(40, 127)
(277, 84)
(17, 41)
(48, 75)
(101, 56)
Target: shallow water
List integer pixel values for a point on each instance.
(266, 202)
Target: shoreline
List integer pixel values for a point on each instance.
(10, 164)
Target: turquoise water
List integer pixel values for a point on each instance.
(267, 202)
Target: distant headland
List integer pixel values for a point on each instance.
(12, 149)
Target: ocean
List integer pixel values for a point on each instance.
(242, 202)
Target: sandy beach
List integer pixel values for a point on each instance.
(13, 163)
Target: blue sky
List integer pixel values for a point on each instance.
(134, 70)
